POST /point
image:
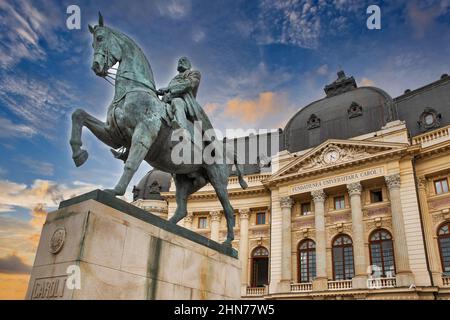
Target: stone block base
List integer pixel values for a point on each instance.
(99, 247)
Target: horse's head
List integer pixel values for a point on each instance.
(107, 51)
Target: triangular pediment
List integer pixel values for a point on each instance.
(336, 153)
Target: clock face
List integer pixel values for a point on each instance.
(331, 156)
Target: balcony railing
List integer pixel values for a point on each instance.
(446, 281)
(301, 287)
(380, 283)
(256, 291)
(433, 137)
(340, 285)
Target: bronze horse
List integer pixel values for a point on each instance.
(136, 120)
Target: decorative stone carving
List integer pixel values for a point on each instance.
(355, 110)
(286, 202)
(379, 222)
(354, 188)
(244, 213)
(421, 182)
(215, 215)
(429, 119)
(57, 240)
(189, 217)
(313, 122)
(393, 181)
(334, 154)
(318, 195)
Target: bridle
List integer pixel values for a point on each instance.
(106, 55)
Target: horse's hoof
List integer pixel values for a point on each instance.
(80, 157)
(227, 243)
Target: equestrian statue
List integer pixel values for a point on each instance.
(140, 126)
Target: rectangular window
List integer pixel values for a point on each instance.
(261, 218)
(376, 196)
(306, 208)
(202, 223)
(339, 203)
(234, 220)
(441, 186)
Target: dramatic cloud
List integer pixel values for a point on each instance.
(41, 192)
(24, 26)
(262, 112)
(38, 167)
(302, 23)
(36, 102)
(13, 264)
(14, 130)
(13, 286)
(174, 9)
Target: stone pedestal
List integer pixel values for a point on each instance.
(99, 247)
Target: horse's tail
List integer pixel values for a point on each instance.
(239, 173)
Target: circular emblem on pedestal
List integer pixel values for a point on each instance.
(57, 240)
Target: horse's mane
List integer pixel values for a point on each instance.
(123, 37)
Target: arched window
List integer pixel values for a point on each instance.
(306, 261)
(382, 253)
(444, 247)
(343, 258)
(260, 267)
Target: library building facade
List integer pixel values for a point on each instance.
(355, 204)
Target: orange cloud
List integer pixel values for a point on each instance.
(210, 108)
(367, 82)
(39, 215)
(250, 111)
(13, 286)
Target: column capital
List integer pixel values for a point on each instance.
(354, 188)
(318, 195)
(421, 182)
(215, 215)
(286, 202)
(244, 214)
(189, 217)
(393, 181)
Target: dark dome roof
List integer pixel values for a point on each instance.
(151, 185)
(347, 111)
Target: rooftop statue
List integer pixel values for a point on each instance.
(140, 123)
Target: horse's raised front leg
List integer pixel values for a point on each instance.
(142, 139)
(81, 118)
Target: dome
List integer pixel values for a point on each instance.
(151, 185)
(346, 111)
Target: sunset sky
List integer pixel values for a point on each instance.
(261, 61)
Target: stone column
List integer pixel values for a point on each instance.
(286, 238)
(188, 220)
(215, 225)
(433, 254)
(243, 248)
(403, 271)
(360, 278)
(321, 281)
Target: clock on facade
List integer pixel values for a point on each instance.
(331, 156)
